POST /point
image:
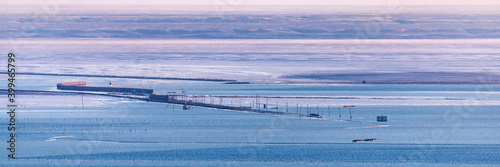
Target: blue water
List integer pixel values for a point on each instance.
(119, 131)
(215, 88)
(331, 154)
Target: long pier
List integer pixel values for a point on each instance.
(148, 95)
(171, 99)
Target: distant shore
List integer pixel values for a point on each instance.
(437, 78)
(395, 78)
(131, 77)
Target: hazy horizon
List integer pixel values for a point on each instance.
(265, 2)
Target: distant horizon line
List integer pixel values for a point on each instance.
(265, 5)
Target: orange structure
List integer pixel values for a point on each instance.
(82, 83)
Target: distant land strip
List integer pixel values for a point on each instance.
(399, 78)
(132, 77)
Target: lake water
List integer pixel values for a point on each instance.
(428, 125)
(457, 130)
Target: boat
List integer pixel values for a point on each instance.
(363, 140)
(371, 140)
(315, 116)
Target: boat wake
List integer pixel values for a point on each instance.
(58, 137)
(366, 127)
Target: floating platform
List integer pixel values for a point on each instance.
(381, 118)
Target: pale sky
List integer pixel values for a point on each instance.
(263, 2)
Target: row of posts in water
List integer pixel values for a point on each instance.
(257, 105)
